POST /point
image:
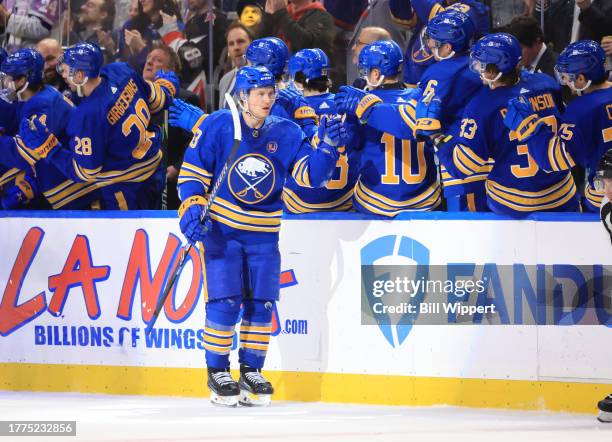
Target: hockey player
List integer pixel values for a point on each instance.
(584, 132)
(8, 125)
(397, 174)
(516, 186)
(22, 81)
(415, 14)
(603, 184)
(273, 53)
(308, 70)
(110, 142)
(448, 36)
(240, 240)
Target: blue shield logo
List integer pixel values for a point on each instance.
(389, 249)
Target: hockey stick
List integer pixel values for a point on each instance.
(205, 212)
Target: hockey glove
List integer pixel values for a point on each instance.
(169, 80)
(521, 119)
(191, 226)
(356, 102)
(428, 110)
(185, 116)
(290, 100)
(34, 139)
(20, 194)
(295, 105)
(331, 133)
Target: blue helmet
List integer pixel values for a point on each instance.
(25, 62)
(252, 77)
(384, 55)
(453, 27)
(502, 50)
(584, 57)
(313, 63)
(270, 52)
(84, 57)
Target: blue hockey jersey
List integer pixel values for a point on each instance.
(110, 140)
(54, 110)
(454, 84)
(583, 135)
(9, 124)
(338, 192)
(396, 174)
(248, 205)
(418, 56)
(515, 185)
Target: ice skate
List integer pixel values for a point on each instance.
(224, 390)
(605, 409)
(255, 390)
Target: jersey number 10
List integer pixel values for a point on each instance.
(406, 158)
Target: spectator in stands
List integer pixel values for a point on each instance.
(606, 44)
(123, 12)
(164, 58)
(377, 15)
(346, 16)
(302, 24)
(138, 34)
(237, 40)
(537, 57)
(51, 50)
(366, 36)
(251, 15)
(192, 44)
(595, 19)
(94, 24)
(28, 21)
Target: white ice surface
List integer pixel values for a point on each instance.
(139, 418)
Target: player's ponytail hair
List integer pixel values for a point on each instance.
(509, 79)
(321, 84)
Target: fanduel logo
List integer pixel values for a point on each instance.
(395, 249)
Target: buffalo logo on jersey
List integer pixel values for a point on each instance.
(251, 178)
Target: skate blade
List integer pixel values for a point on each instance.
(248, 399)
(223, 401)
(605, 417)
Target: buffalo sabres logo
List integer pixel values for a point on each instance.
(251, 178)
(272, 147)
(422, 53)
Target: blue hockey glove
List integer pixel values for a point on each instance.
(19, 194)
(290, 100)
(189, 213)
(294, 103)
(331, 134)
(36, 138)
(428, 110)
(353, 101)
(169, 80)
(184, 115)
(521, 119)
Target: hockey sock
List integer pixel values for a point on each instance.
(255, 332)
(221, 318)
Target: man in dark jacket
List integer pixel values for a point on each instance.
(302, 24)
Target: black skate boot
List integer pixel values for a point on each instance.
(605, 409)
(224, 389)
(255, 390)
